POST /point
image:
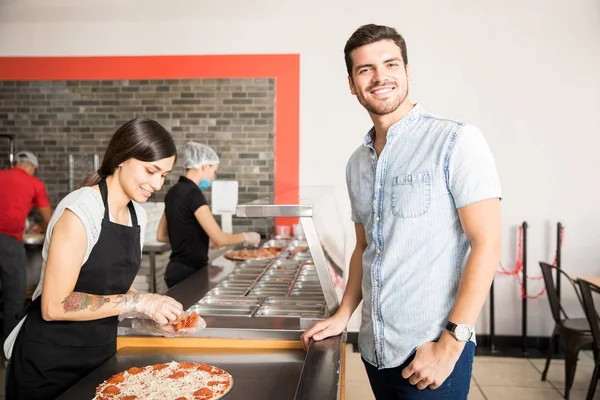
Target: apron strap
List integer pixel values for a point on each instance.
(35, 303)
(104, 192)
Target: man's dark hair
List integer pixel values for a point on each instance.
(372, 33)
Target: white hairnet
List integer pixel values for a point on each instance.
(195, 155)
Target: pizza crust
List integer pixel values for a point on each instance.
(173, 380)
(266, 253)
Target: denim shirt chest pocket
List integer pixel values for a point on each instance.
(411, 194)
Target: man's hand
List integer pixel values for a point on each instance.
(433, 363)
(35, 228)
(332, 326)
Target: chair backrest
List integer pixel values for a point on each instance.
(558, 313)
(588, 292)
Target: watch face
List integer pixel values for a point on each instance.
(462, 332)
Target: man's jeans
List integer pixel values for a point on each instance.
(388, 384)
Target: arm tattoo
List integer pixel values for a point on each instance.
(77, 301)
(128, 300)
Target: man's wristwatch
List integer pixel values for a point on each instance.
(461, 332)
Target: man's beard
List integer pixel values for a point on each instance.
(384, 107)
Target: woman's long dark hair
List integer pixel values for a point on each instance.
(141, 138)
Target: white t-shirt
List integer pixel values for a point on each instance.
(87, 204)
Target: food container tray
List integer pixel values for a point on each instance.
(308, 301)
(302, 256)
(230, 300)
(206, 309)
(279, 243)
(304, 292)
(281, 273)
(227, 291)
(286, 264)
(281, 279)
(308, 285)
(254, 264)
(235, 284)
(265, 312)
(275, 285)
(268, 292)
(241, 278)
(308, 278)
(247, 271)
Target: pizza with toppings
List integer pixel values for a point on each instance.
(174, 380)
(256, 254)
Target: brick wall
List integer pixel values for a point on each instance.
(56, 119)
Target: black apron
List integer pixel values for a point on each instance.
(49, 357)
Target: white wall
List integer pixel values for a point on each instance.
(526, 72)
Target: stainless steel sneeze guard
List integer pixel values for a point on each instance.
(263, 208)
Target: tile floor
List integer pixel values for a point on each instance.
(494, 378)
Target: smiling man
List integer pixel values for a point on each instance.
(425, 199)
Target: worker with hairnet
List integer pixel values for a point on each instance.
(188, 223)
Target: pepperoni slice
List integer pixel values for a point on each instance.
(187, 365)
(181, 398)
(177, 375)
(134, 370)
(112, 389)
(204, 367)
(128, 398)
(116, 378)
(158, 367)
(213, 383)
(204, 392)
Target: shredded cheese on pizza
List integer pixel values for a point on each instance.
(174, 380)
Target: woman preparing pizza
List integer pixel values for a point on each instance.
(91, 255)
(188, 223)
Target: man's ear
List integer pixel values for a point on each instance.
(351, 84)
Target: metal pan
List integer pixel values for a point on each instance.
(307, 293)
(281, 273)
(279, 243)
(253, 264)
(286, 263)
(242, 277)
(244, 311)
(287, 278)
(287, 314)
(276, 285)
(302, 256)
(307, 285)
(230, 300)
(235, 285)
(292, 307)
(308, 278)
(309, 301)
(268, 292)
(247, 271)
(227, 291)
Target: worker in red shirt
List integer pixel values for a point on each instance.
(19, 192)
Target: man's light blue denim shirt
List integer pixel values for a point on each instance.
(408, 201)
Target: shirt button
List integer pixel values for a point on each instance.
(379, 187)
(377, 219)
(372, 157)
(378, 251)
